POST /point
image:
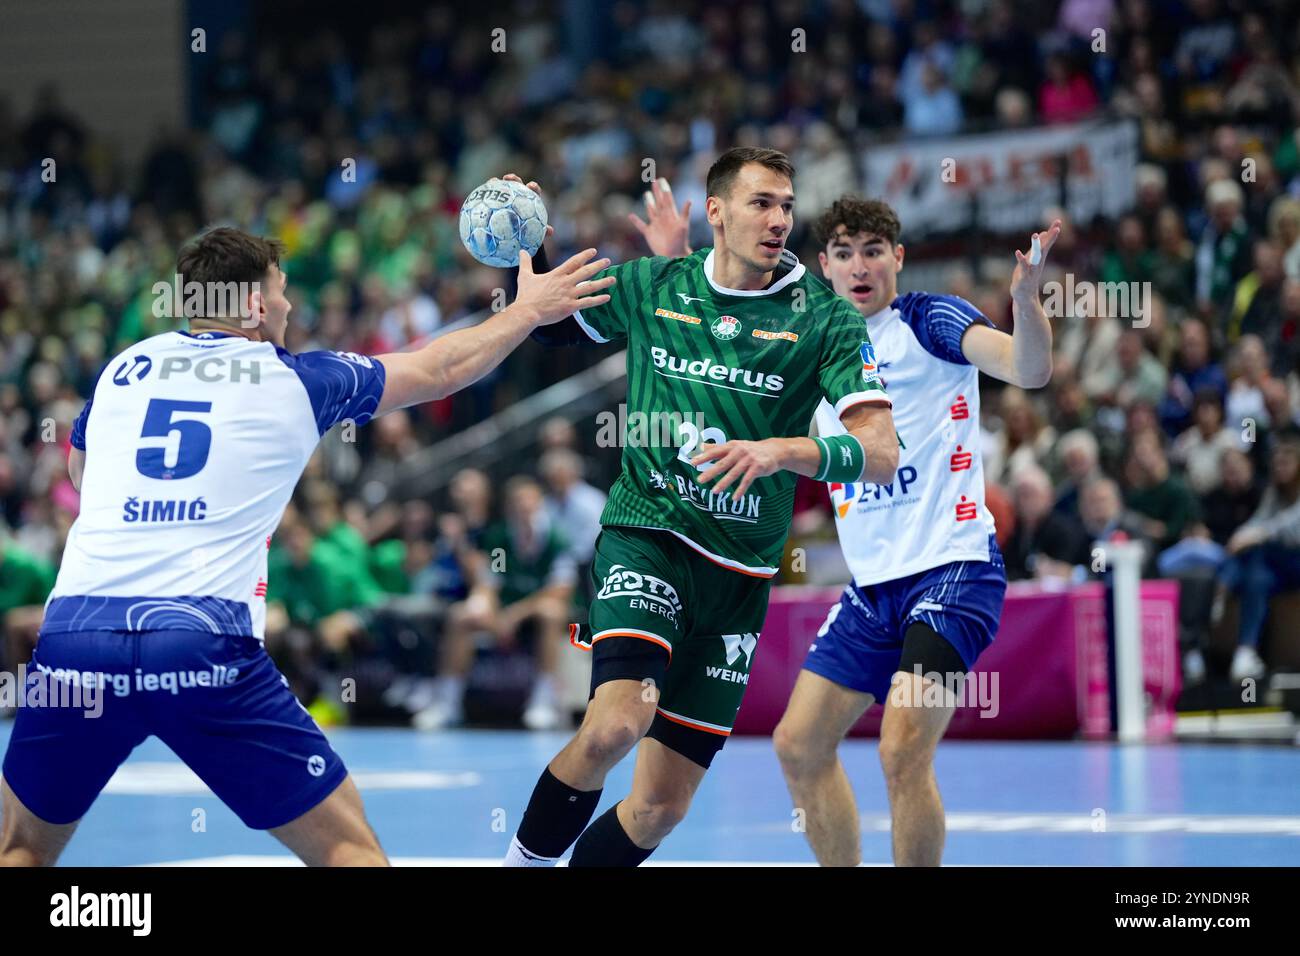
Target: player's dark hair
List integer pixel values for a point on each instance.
(723, 172)
(872, 217)
(226, 254)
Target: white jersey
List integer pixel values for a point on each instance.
(194, 443)
(933, 512)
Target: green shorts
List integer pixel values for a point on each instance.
(667, 613)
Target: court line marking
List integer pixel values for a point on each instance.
(1085, 822)
(259, 860)
(142, 778)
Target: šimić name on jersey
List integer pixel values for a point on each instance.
(178, 509)
(710, 371)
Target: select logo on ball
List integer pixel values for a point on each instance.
(498, 219)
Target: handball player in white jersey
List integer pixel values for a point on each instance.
(185, 457)
(928, 578)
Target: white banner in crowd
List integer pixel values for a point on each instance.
(1011, 176)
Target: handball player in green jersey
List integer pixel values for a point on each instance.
(735, 346)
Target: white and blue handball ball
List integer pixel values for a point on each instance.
(498, 219)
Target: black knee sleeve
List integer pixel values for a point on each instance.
(698, 746)
(627, 658)
(926, 649)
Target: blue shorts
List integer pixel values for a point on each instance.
(217, 700)
(861, 641)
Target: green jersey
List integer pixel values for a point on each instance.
(527, 570)
(710, 364)
(25, 580)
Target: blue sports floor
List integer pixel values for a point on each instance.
(456, 797)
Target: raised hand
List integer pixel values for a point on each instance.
(667, 231)
(564, 290)
(1028, 274)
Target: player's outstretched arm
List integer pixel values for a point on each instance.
(1023, 358)
(743, 461)
(448, 364)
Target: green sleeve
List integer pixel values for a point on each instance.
(31, 579)
(357, 584)
(1111, 269)
(609, 322)
(44, 581)
(848, 373)
(275, 569)
(292, 589)
(347, 540)
(387, 566)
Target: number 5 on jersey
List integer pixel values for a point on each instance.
(189, 449)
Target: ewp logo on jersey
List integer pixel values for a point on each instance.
(866, 492)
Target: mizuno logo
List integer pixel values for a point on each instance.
(688, 299)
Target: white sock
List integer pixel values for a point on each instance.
(544, 691)
(451, 690)
(518, 856)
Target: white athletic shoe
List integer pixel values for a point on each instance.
(1194, 666)
(422, 694)
(1246, 662)
(543, 710)
(543, 715)
(438, 715)
(400, 689)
